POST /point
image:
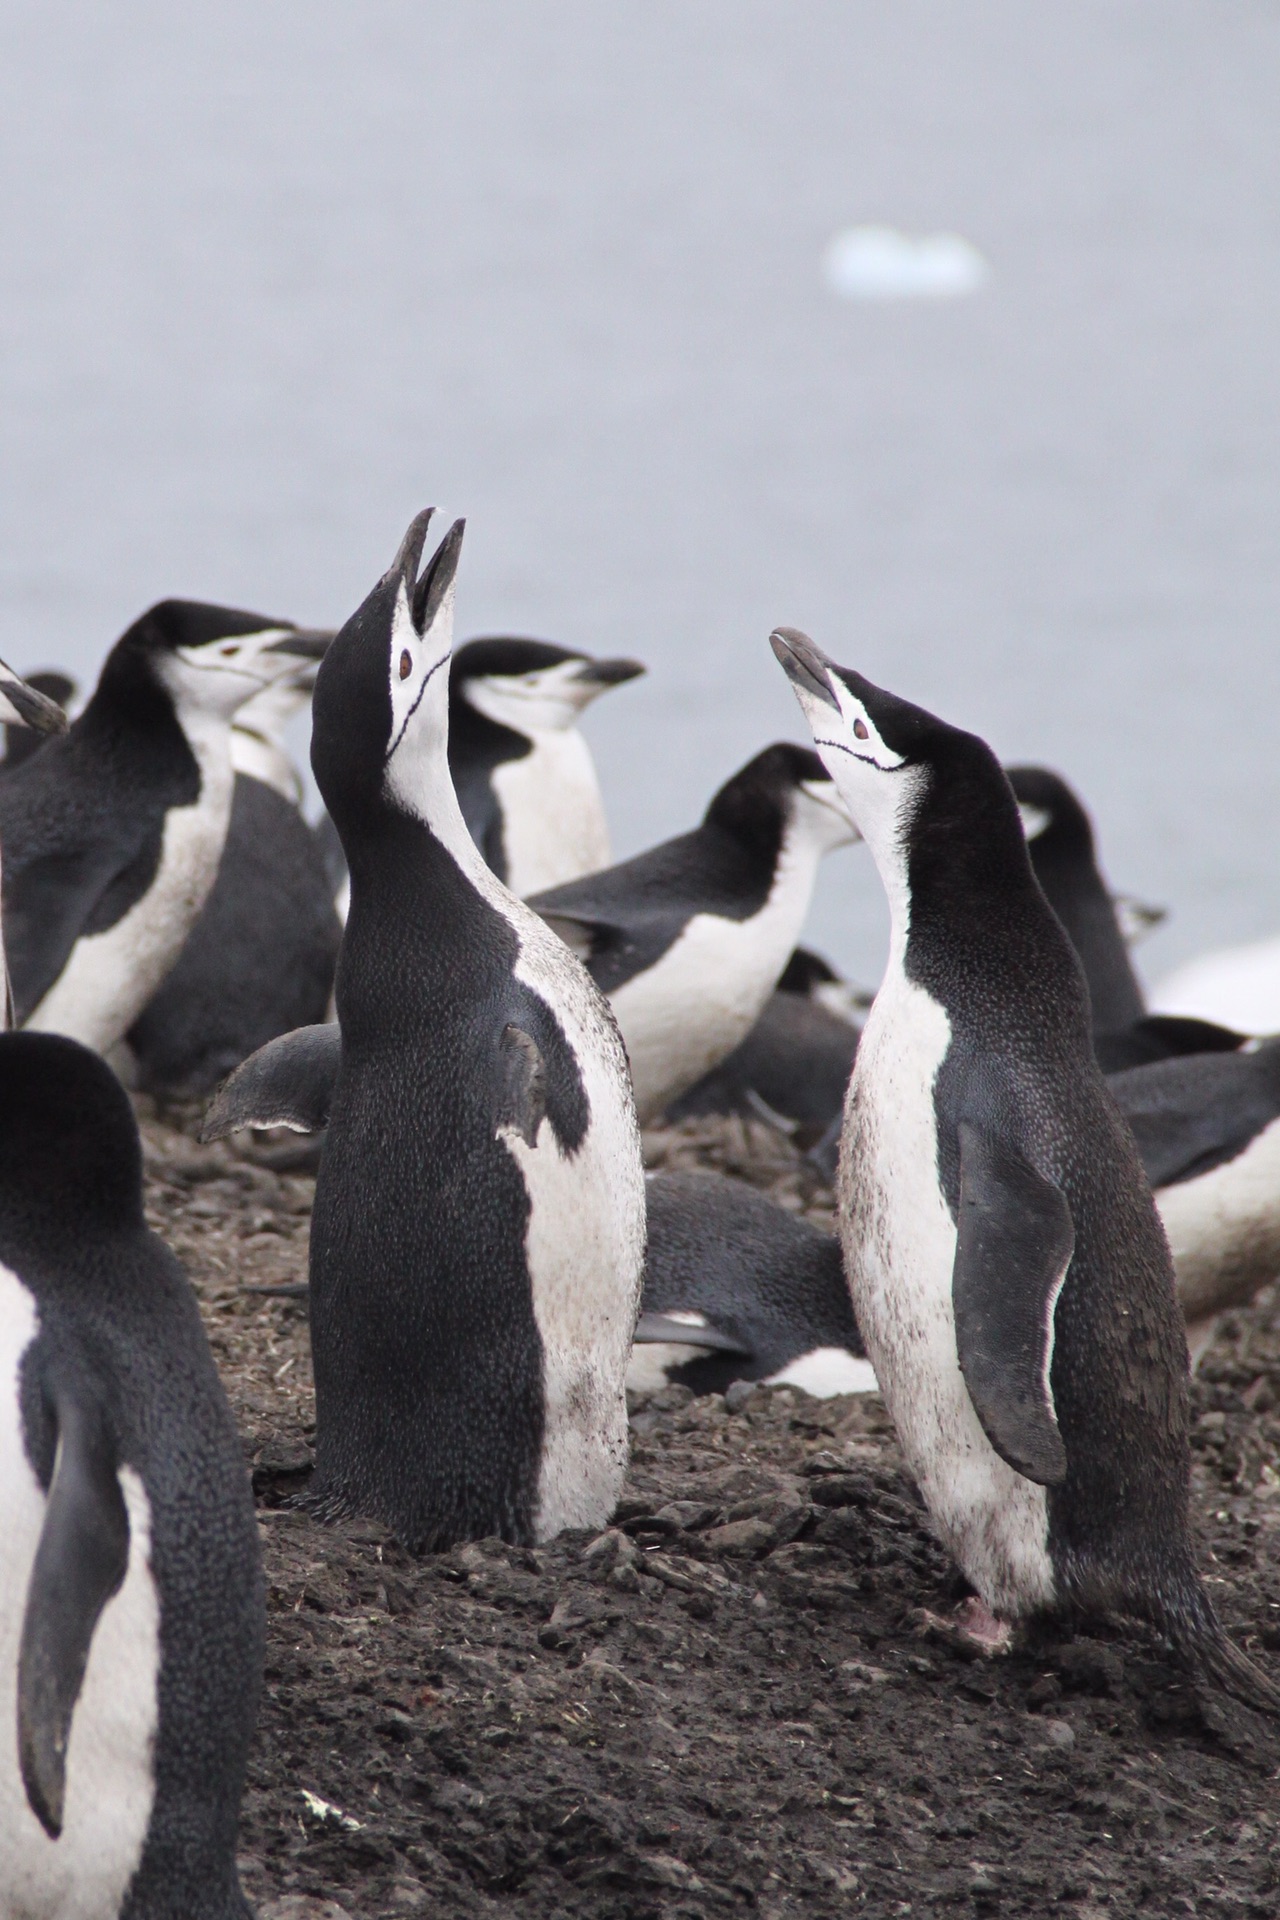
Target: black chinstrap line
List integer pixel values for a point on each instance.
(444, 659)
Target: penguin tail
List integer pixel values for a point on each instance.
(1201, 1640)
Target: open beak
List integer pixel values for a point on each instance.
(22, 706)
(804, 664)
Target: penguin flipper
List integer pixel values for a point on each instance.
(1014, 1244)
(287, 1083)
(660, 1329)
(51, 900)
(80, 1562)
(522, 1084)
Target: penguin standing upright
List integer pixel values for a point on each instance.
(477, 1242)
(690, 938)
(1006, 1263)
(259, 960)
(131, 1603)
(523, 774)
(1060, 837)
(112, 836)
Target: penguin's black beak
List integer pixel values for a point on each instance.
(804, 664)
(438, 576)
(308, 643)
(29, 708)
(608, 673)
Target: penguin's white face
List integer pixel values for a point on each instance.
(217, 678)
(545, 700)
(417, 766)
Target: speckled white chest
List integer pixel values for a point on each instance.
(899, 1246)
(110, 976)
(554, 827)
(1224, 1228)
(584, 1242)
(684, 1014)
(85, 1873)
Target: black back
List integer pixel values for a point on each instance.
(987, 946)
(767, 1278)
(477, 744)
(632, 913)
(427, 1353)
(260, 958)
(120, 1334)
(82, 824)
(1191, 1115)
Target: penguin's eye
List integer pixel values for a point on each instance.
(230, 651)
(860, 730)
(406, 664)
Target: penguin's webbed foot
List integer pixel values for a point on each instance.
(970, 1629)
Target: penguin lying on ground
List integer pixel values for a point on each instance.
(1005, 1259)
(689, 939)
(131, 1602)
(1208, 1130)
(1237, 985)
(794, 1065)
(1060, 837)
(112, 836)
(522, 771)
(477, 1241)
(259, 960)
(736, 1288)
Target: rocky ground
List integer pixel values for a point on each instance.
(728, 1700)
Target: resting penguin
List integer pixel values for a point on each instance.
(1005, 1259)
(689, 939)
(477, 1241)
(1060, 837)
(131, 1603)
(259, 960)
(1208, 1130)
(112, 836)
(735, 1288)
(522, 771)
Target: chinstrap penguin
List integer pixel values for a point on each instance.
(131, 1602)
(477, 1242)
(735, 1288)
(689, 939)
(112, 836)
(260, 958)
(522, 771)
(1006, 1262)
(1064, 861)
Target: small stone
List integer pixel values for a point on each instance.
(1060, 1734)
(741, 1538)
(300, 1906)
(1043, 1692)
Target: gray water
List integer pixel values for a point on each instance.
(276, 276)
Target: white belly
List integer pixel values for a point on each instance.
(1224, 1228)
(585, 1250)
(554, 826)
(110, 977)
(899, 1248)
(84, 1874)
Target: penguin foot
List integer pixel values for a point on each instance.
(971, 1629)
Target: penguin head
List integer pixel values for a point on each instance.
(784, 796)
(380, 711)
(209, 659)
(69, 1151)
(922, 793)
(1052, 816)
(530, 686)
(37, 707)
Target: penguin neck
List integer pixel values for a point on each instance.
(135, 719)
(474, 736)
(260, 758)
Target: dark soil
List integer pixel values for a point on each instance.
(727, 1701)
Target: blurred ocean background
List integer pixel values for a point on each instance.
(275, 276)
